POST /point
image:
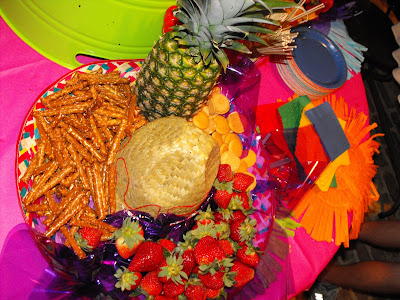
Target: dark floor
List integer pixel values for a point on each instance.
(382, 92)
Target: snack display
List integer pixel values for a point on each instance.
(90, 226)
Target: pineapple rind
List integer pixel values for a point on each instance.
(172, 82)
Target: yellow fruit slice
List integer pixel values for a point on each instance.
(215, 90)
(206, 110)
(211, 126)
(251, 158)
(236, 147)
(221, 103)
(223, 148)
(235, 123)
(201, 120)
(242, 167)
(222, 125)
(218, 137)
(229, 137)
(211, 108)
(231, 159)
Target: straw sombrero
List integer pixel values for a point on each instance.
(167, 166)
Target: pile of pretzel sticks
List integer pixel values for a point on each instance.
(80, 130)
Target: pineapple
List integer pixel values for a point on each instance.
(185, 63)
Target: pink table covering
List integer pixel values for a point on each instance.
(24, 74)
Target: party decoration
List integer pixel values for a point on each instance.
(325, 213)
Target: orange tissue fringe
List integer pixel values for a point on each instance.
(324, 215)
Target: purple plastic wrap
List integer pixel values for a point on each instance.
(93, 276)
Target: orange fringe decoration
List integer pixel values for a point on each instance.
(325, 214)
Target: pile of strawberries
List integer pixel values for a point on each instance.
(217, 253)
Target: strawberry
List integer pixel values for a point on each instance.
(128, 237)
(224, 173)
(207, 250)
(222, 198)
(173, 289)
(127, 280)
(238, 215)
(147, 257)
(167, 244)
(150, 285)
(243, 273)
(242, 181)
(223, 230)
(195, 290)
(88, 238)
(242, 231)
(240, 201)
(213, 294)
(214, 282)
(189, 261)
(248, 256)
(171, 270)
(205, 217)
(217, 279)
(228, 246)
(162, 297)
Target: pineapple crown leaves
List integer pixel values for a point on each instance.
(125, 278)
(173, 269)
(210, 25)
(131, 231)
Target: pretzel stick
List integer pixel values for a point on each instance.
(67, 182)
(74, 229)
(97, 136)
(100, 224)
(104, 181)
(63, 92)
(62, 205)
(79, 167)
(99, 191)
(93, 190)
(34, 163)
(43, 135)
(106, 122)
(116, 141)
(36, 207)
(31, 196)
(82, 150)
(107, 78)
(71, 241)
(66, 109)
(75, 206)
(83, 141)
(68, 100)
(110, 113)
(51, 183)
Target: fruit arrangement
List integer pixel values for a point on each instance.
(215, 255)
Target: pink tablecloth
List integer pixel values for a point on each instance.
(24, 74)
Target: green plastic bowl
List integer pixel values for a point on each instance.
(107, 29)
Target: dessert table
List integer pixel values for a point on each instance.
(24, 74)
